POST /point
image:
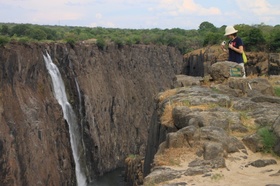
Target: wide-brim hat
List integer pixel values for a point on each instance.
(230, 30)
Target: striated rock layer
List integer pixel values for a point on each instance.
(111, 92)
(197, 129)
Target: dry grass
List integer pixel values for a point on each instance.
(248, 121)
(274, 80)
(166, 118)
(90, 41)
(174, 156)
(204, 107)
(166, 94)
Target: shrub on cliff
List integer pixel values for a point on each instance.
(4, 40)
(101, 44)
(277, 91)
(71, 38)
(268, 139)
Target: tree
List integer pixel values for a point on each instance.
(256, 40)
(212, 38)
(275, 40)
(5, 30)
(206, 26)
(20, 30)
(37, 33)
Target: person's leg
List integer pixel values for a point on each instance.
(242, 64)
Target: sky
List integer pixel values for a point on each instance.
(140, 14)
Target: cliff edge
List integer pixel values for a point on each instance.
(213, 134)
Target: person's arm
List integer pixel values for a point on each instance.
(239, 50)
(239, 46)
(223, 46)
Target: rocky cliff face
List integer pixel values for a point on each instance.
(116, 89)
(197, 129)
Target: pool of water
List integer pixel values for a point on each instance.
(113, 178)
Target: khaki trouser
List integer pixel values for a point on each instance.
(242, 64)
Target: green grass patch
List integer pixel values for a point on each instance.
(268, 139)
(133, 156)
(277, 91)
(217, 176)
(4, 40)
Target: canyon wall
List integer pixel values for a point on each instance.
(111, 91)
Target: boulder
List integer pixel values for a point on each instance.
(213, 150)
(263, 163)
(220, 71)
(276, 127)
(179, 114)
(253, 142)
(161, 174)
(184, 80)
(276, 148)
(217, 162)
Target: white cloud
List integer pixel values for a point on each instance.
(140, 13)
(110, 24)
(47, 12)
(188, 7)
(98, 16)
(258, 7)
(102, 24)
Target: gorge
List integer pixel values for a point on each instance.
(112, 96)
(111, 92)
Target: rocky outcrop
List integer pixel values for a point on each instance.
(274, 63)
(116, 88)
(198, 62)
(202, 124)
(221, 71)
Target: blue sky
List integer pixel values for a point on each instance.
(138, 14)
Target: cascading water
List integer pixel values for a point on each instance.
(69, 116)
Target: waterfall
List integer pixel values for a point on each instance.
(69, 116)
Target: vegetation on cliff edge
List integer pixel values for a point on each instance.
(259, 37)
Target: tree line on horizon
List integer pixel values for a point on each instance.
(258, 37)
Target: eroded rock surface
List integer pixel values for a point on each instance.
(117, 86)
(206, 124)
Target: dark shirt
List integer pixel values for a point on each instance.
(233, 55)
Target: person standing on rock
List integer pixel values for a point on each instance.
(235, 47)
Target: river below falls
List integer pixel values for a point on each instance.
(113, 178)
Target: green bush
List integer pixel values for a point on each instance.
(119, 42)
(4, 40)
(101, 44)
(20, 29)
(268, 139)
(24, 40)
(37, 33)
(5, 30)
(71, 38)
(277, 91)
(255, 37)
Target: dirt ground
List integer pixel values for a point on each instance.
(236, 172)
